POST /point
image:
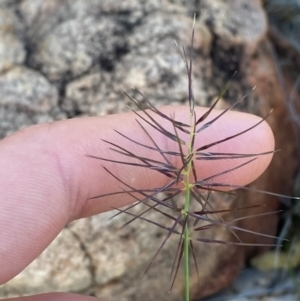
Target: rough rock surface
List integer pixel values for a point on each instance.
(72, 58)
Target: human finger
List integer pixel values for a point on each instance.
(48, 180)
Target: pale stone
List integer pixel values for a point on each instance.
(63, 266)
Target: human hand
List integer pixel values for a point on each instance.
(47, 181)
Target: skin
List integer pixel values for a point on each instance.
(48, 180)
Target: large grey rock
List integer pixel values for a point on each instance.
(63, 266)
(74, 46)
(12, 50)
(26, 97)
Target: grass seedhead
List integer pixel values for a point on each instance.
(197, 214)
